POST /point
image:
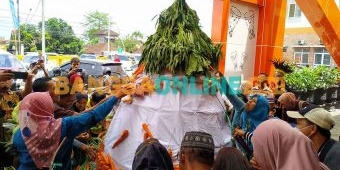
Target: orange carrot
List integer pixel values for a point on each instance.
(147, 130)
(101, 146)
(139, 70)
(87, 166)
(146, 136)
(176, 166)
(104, 158)
(111, 163)
(122, 137)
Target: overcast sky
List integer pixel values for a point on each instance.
(128, 15)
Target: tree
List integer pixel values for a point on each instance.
(131, 42)
(29, 36)
(60, 37)
(95, 21)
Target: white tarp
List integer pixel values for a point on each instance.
(169, 117)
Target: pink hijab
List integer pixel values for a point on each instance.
(277, 146)
(40, 131)
(288, 99)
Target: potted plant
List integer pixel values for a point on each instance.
(331, 84)
(302, 83)
(321, 76)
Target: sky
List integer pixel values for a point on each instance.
(128, 15)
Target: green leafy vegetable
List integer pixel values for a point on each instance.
(179, 45)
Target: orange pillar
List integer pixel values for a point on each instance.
(219, 27)
(270, 34)
(324, 16)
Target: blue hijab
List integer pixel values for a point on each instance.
(260, 113)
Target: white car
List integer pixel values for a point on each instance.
(125, 60)
(10, 62)
(34, 57)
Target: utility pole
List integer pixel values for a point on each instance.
(108, 32)
(43, 29)
(108, 38)
(19, 37)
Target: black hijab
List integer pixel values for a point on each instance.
(151, 155)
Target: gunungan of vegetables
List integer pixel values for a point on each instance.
(179, 45)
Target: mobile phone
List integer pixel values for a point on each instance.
(79, 70)
(20, 75)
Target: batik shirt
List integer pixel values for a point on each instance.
(8, 101)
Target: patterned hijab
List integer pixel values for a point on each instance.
(288, 99)
(277, 146)
(40, 131)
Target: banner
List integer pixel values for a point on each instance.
(14, 17)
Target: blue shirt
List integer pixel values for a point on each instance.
(71, 127)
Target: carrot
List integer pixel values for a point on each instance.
(111, 163)
(176, 166)
(139, 70)
(87, 166)
(146, 136)
(101, 147)
(122, 137)
(104, 157)
(147, 130)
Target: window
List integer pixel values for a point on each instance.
(322, 58)
(291, 10)
(301, 57)
(294, 11)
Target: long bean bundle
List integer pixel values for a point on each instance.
(179, 45)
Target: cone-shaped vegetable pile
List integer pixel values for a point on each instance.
(179, 45)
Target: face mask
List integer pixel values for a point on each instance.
(304, 128)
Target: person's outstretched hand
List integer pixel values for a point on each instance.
(126, 89)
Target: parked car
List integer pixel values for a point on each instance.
(132, 69)
(9, 62)
(30, 58)
(137, 58)
(91, 67)
(125, 60)
(88, 56)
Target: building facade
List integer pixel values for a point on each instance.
(301, 44)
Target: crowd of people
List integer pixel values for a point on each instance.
(55, 130)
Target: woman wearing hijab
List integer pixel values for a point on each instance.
(152, 155)
(289, 102)
(246, 90)
(80, 104)
(42, 140)
(278, 146)
(247, 116)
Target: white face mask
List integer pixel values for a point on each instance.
(304, 128)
